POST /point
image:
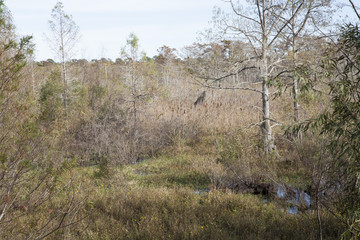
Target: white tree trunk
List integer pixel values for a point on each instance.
(295, 99)
(65, 83)
(266, 124)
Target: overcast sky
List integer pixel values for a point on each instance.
(106, 24)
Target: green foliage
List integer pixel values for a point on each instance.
(303, 74)
(133, 41)
(340, 123)
(104, 170)
(353, 227)
(51, 95)
(131, 50)
(13, 52)
(342, 119)
(78, 101)
(96, 93)
(34, 201)
(171, 172)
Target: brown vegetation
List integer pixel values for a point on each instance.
(170, 148)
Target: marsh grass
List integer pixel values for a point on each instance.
(178, 213)
(156, 199)
(187, 149)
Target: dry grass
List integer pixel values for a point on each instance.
(156, 200)
(186, 148)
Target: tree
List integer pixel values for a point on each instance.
(29, 165)
(260, 24)
(130, 52)
(140, 81)
(64, 36)
(311, 15)
(13, 53)
(342, 121)
(166, 58)
(216, 59)
(340, 124)
(18, 130)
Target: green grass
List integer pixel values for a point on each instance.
(168, 172)
(156, 199)
(162, 213)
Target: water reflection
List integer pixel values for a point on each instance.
(206, 190)
(295, 197)
(293, 210)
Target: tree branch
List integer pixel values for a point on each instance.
(286, 23)
(355, 10)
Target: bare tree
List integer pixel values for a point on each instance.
(260, 23)
(312, 14)
(166, 58)
(141, 84)
(131, 54)
(64, 36)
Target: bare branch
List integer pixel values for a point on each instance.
(355, 10)
(233, 88)
(231, 74)
(285, 24)
(242, 15)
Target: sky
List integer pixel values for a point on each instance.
(106, 24)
